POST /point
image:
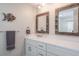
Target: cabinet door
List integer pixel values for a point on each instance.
(30, 50)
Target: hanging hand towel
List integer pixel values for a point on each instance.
(10, 40)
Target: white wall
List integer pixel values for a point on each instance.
(25, 16)
(51, 8)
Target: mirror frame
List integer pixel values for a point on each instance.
(47, 22)
(57, 21)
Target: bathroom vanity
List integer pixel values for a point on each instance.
(46, 46)
(66, 22)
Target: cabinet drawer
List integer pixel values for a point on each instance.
(41, 52)
(51, 54)
(41, 45)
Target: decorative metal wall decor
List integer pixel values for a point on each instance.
(9, 17)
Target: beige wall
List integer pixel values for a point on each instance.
(25, 16)
(51, 8)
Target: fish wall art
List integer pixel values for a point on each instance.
(9, 17)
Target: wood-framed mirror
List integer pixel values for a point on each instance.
(42, 23)
(67, 20)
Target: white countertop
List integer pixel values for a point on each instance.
(58, 42)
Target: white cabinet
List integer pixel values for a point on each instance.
(37, 48)
(38, 44)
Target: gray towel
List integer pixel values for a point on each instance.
(10, 40)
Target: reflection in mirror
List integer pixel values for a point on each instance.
(68, 20)
(42, 23)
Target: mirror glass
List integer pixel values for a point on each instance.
(68, 20)
(42, 23)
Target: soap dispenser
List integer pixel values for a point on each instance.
(27, 30)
